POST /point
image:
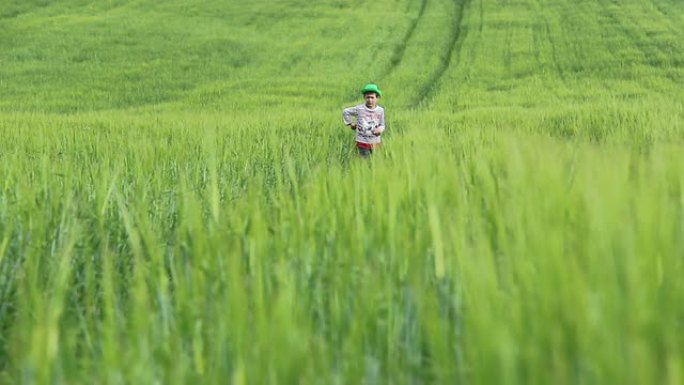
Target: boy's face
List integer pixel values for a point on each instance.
(371, 99)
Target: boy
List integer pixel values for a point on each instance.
(370, 120)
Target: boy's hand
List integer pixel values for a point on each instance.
(352, 126)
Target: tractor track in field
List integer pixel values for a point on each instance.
(456, 38)
(650, 48)
(399, 51)
(678, 61)
(665, 13)
(552, 43)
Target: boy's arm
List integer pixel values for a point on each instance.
(347, 114)
(380, 128)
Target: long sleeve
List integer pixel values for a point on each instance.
(347, 114)
(381, 124)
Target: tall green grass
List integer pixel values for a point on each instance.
(179, 201)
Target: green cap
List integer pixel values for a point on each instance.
(371, 87)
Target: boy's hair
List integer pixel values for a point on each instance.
(371, 87)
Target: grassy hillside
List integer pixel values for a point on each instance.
(180, 202)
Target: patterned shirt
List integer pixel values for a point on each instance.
(366, 120)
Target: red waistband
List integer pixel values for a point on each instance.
(367, 146)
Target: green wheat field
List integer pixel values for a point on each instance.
(180, 202)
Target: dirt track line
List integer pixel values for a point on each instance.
(455, 42)
(652, 50)
(552, 43)
(398, 54)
